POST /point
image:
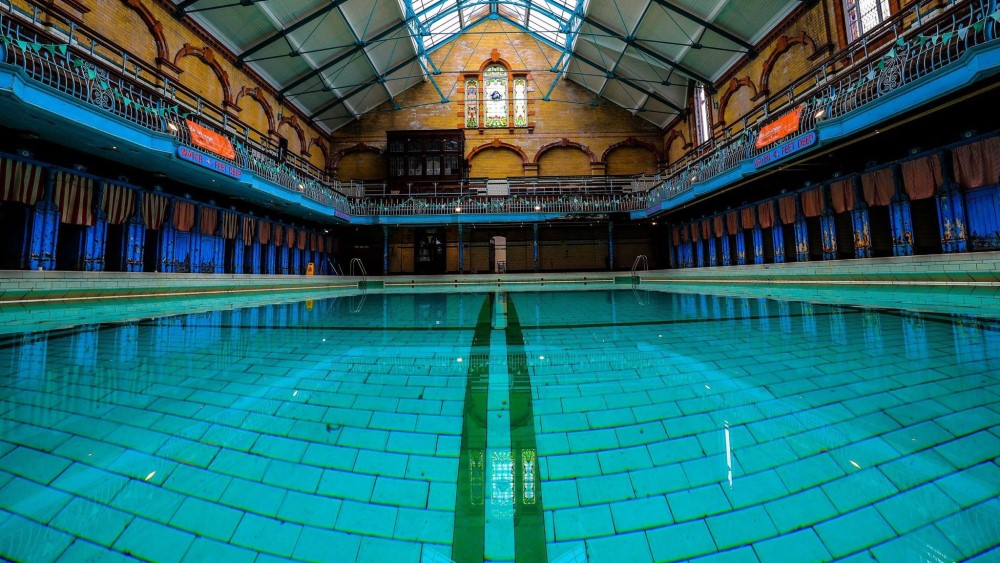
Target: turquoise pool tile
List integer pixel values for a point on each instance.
(154, 542)
(658, 480)
(809, 472)
(442, 496)
(698, 502)
(400, 492)
(31, 500)
(581, 523)
(254, 497)
(140, 439)
(756, 488)
(331, 457)
(239, 464)
(228, 437)
(624, 459)
(82, 550)
(605, 489)
(622, 547)
(972, 485)
(638, 514)
(424, 526)
(924, 544)
(913, 470)
(680, 541)
(323, 544)
(744, 554)
(363, 438)
(917, 437)
(311, 510)
(91, 452)
(592, 440)
(149, 501)
(766, 455)
(572, 465)
(38, 466)
(206, 519)
(969, 450)
(852, 532)
(93, 521)
(25, 540)
(973, 530)
(381, 463)
(44, 439)
(341, 484)
(803, 546)
(379, 549)
(916, 507)
(293, 476)
(428, 468)
(741, 527)
(277, 447)
(204, 549)
(367, 519)
(188, 452)
(138, 465)
(197, 482)
(410, 443)
(266, 535)
(676, 450)
(800, 510)
(859, 488)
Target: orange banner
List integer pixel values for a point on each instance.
(210, 141)
(779, 128)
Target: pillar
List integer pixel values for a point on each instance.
(741, 250)
(255, 256)
(534, 246)
(801, 233)
(828, 226)
(700, 253)
(168, 237)
(269, 266)
(778, 238)
(134, 239)
(758, 239)
(239, 249)
(95, 236)
(951, 209)
(44, 229)
(713, 258)
(611, 246)
(860, 223)
(194, 243)
(385, 250)
(726, 254)
(461, 250)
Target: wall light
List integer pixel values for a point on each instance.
(172, 127)
(458, 210)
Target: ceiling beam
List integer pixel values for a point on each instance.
(632, 42)
(182, 7)
(628, 82)
(372, 82)
(707, 25)
(241, 58)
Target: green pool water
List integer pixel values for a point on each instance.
(599, 425)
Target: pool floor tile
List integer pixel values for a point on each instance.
(206, 519)
(267, 535)
(25, 540)
(855, 531)
(802, 546)
(317, 544)
(622, 547)
(92, 521)
(680, 541)
(156, 542)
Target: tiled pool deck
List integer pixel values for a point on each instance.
(639, 426)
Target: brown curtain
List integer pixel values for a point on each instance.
(312, 242)
(717, 225)
(765, 214)
(183, 215)
(731, 222)
(706, 230)
(812, 203)
(263, 231)
(977, 164)
(922, 177)
(842, 196)
(248, 224)
(209, 220)
(694, 232)
(786, 209)
(685, 234)
(746, 215)
(302, 240)
(279, 235)
(677, 236)
(878, 187)
(290, 237)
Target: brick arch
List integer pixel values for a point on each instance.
(207, 56)
(255, 94)
(633, 142)
(155, 28)
(360, 147)
(671, 137)
(564, 142)
(324, 150)
(498, 144)
(781, 46)
(494, 58)
(293, 123)
(734, 85)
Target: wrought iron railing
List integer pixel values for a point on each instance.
(914, 42)
(86, 67)
(583, 204)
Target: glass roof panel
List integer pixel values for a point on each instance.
(440, 20)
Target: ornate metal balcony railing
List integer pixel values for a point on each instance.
(110, 79)
(923, 37)
(589, 204)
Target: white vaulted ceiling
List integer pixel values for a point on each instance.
(339, 59)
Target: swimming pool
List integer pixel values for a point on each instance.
(603, 424)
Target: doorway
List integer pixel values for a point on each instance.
(498, 255)
(428, 251)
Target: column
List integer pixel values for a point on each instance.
(194, 242)
(385, 250)
(828, 227)
(167, 238)
(951, 209)
(758, 239)
(611, 246)
(699, 248)
(726, 254)
(801, 233)
(741, 244)
(778, 236)
(900, 219)
(461, 250)
(534, 246)
(860, 223)
(135, 238)
(713, 259)
(44, 229)
(239, 249)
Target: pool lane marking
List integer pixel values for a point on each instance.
(529, 522)
(468, 541)
(499, 460)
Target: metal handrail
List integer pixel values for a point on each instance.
(361, 268)
(640, 259)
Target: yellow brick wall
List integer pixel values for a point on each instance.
(362, 166)
(571, 117)
(117, 23)
(496, 163)
(631, 160)
(564, 161)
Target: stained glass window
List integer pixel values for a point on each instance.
(495, 96)
(471, 102)
(520, 102)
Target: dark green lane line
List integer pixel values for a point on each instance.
(529, 522)
(468, 542)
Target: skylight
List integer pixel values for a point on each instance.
(437, 21)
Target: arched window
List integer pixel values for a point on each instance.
(496, 98)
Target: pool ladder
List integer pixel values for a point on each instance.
(357, 305)
(361, 268)
(640, 260)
